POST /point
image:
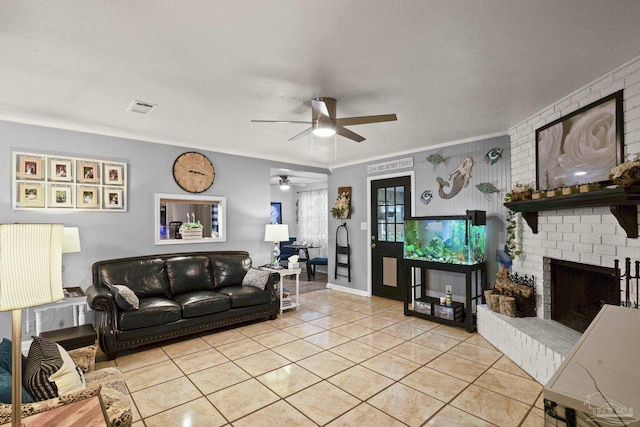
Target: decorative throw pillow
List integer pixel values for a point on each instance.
(256, 278)
(6, 372)
(44, 360)
(5, 389)
(69, 378)
(125, 297)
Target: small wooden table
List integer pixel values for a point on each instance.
(85, 413)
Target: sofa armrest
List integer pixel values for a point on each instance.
(103, 303)
(272, 282)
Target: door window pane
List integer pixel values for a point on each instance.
(382, 232)
(391, 232)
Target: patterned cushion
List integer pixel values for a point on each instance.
(256, 278)
(44, 360)
(125, 297)
(69, 378)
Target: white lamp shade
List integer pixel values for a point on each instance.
(71, 240)
(30, 265)
(276, 233)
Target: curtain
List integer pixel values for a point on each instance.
(312, 221)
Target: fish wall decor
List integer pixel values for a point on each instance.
(493, 155)
(426, 196)
(437, 159)
(460, 178)
(488, 189)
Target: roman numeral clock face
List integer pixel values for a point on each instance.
(193, 172)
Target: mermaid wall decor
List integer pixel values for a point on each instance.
(459, 177)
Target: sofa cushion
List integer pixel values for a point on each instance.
(256, 278)
(6, 370)
(5, 389)
(43, 360)
(199, 303)
(152, 312)
(147, 277)
(189, 273)
(229, 269)
(125, 298)
(69, 378)
(245, 296)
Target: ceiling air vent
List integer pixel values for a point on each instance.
(141, 107)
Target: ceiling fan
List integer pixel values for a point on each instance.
(324, 122)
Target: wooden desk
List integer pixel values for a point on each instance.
(85, 413)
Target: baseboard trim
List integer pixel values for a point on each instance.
(348, 290)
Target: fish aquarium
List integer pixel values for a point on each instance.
(447, 239)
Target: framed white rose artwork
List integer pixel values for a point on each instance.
(581, 147)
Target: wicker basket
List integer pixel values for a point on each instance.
(628, 178)
(524, 195)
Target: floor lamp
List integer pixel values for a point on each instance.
(30, 275)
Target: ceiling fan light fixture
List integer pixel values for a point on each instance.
(285, 182)
(323, 130)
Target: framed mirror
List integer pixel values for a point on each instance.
(185, 219)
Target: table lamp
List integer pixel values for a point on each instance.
(30, 275)
(276, 233)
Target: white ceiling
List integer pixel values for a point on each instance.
(451, 70)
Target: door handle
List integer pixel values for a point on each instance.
(373, 245)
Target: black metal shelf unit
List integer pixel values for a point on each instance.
(474, 289)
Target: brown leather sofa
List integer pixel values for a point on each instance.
(179, 294)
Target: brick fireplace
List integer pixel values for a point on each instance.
(585, 235)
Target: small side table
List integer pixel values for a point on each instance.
(287, 272)
(78, 303)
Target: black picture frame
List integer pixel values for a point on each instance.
(581, 147)
(276, 213)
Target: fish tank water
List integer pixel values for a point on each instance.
(446, 239)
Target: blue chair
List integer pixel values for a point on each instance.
(286, 252)
(316, 261)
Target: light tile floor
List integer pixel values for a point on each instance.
(340, 360)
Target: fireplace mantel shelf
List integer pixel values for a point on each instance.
(622, 202)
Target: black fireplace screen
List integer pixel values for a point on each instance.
(578, 291)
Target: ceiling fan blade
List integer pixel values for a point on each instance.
(281, 121)
(319, 106)
(301, 134)
(347, 121)
(348, 134)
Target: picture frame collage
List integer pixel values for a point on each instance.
(44, 181)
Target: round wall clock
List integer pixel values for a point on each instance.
(193, 172)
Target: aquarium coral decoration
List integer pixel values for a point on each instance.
(342, 206)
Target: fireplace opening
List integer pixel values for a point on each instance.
(578, 291)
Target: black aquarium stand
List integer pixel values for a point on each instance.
(418, 285)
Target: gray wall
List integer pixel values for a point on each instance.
(470, 197)
(105, 235)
